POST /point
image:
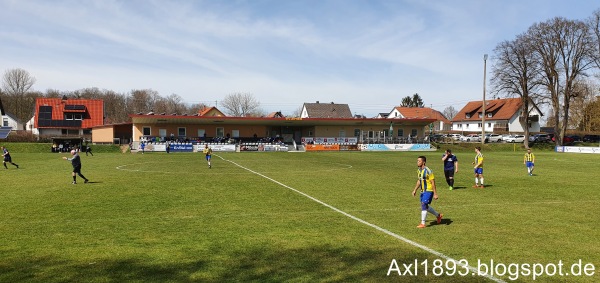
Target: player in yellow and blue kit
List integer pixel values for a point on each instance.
(208, 153)
(478, 168)
(426, 182)
(529, 161)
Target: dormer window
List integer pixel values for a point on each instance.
(489, 115)
(468, 115)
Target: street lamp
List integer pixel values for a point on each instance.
(483, 107)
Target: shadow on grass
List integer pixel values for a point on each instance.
(260, 264)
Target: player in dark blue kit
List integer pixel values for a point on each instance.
(76, 162)
(450, 167)
(7, 158)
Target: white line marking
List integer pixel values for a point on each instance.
(410, 242)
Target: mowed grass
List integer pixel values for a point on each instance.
(256, 217)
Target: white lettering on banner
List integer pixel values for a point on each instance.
(578, 149)
(222, 147)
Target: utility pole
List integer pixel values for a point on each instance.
(483, 106)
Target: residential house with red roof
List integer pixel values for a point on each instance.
(501, 116)
(441, 122)
(68, 117)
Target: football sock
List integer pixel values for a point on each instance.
(423, 216)
(432, 211)
(452, 182)
(482, 181)
(476, 181)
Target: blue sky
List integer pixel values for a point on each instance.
(368, 54)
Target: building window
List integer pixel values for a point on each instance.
(468, 115)
(146, 131)
(479, 125)
(489, 115)
(342, 134)
(413, 133)
(201, 133)
(479, 115)
(181, 132)
(87, 131)
(5, 122)
(77, 117)
(467, 126)
(68, 116)
(400, 132)
(70, 132)
(310, 133)
(220, 132)
(356, 132)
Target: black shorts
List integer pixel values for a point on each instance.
(449, 173)
(7, 159)
(77, 169)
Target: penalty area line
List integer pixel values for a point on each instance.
(408, 241)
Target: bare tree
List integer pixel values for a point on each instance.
(514, 73)
(16, 84)
(565, 49)
(449, 112)
(241, 104)
(142, 100)
(115, 107)
(587, 91)
(594, 25)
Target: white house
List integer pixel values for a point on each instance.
(501, 115)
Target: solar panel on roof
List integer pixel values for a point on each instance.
(74, 107)
(4, 131)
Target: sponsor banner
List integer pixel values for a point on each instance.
(578, 149)
(326, 140)
(394, 147)
(155, 147)
(216, 147)
(254, 147)
(274, 147)
(322, 147)
(181, 147)
(352, 147)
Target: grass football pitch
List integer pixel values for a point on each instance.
(297, 217)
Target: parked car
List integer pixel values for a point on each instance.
(540, 138)
(455, 137)
(566, 139)
(575, 138)
(493, 138)
(470, 138)
(515, 138)
(591, 138)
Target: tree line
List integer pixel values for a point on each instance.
(18, 98)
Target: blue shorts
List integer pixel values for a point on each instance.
(426, 198)
(478, 170)
(208, 157)
(529, 164)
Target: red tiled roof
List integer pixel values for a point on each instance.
(205, 111)
(422, 112)
(501, 109)
(92, 111)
